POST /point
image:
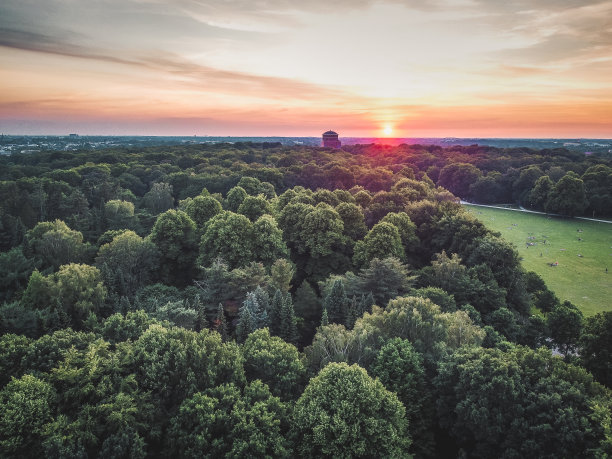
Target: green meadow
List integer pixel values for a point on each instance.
(582, 249)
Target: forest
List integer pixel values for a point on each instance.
(260, 300)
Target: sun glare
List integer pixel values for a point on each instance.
(387, 130)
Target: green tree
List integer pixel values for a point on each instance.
(282, 272)
(201, 209)
(174, 234)
(159, 198)
(437, 296)
(128, 263)
(382, 241)
(345, 413)
(223, 422)
(540, 193)
(79, 291)
(291, 221)
(407, 230)
(321, 230)
(418, 320)
(227, 235)
(487, 190)
(596, 346)
(172, 363)
(274, 314)
(565, 325)
(525, 182)
(234, 198)
(518, 403)
(324, 318)
(54, 244)
(307, 308)
(27, 404)
(75, 291)
(120, 215)
(13, 350)
(267, 241)
(457, 178)
(384, 278)
(400, 368)
(120, 328)
(353, 220)
(598, 187)
(252, 315)
(568, 196)
(253, 207)
(15, 270)
(335, 302)
(220, 323)
(288, 325)
(275, 362)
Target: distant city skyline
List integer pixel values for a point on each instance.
(364, 68)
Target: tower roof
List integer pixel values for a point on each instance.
(330, 133)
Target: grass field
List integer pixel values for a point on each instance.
(583, 280)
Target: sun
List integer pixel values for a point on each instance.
(387, 130)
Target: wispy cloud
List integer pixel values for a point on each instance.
(292, 62)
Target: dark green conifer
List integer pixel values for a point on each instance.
(288, 328)
(124, 305)
(246, 322)
(369, 302)
(324, 318)
(263, 306)
(201, 322)
(352, 313)
(336, 302)
(274, 316)
(221, 323)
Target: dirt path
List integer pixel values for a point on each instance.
(522, 209)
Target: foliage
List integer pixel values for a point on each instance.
(174, 236)
(27, 405)
(400, 368)
(226, 422)
(382, 241)
(518, 402)
(128, 263)
(596, 347)
(274, 362)
(55, 244)
(343, 412)
(154, 370)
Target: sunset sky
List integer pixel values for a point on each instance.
(462, 68)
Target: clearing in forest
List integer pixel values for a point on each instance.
(574, 257)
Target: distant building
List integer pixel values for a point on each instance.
(330, 140)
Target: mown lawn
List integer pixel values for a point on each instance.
(583, 280)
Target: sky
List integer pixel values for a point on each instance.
(400, 68)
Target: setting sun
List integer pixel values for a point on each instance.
(387, 130)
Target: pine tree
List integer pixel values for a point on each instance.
(361, 306)
(246, 323)
(369, 302)
(263, 306)
(201, 322)
(352, 313)
(336, 303)
(274, 317)
(124, 305)
(324, 318)
(221, 323)
(288, 329)
(259, 315)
